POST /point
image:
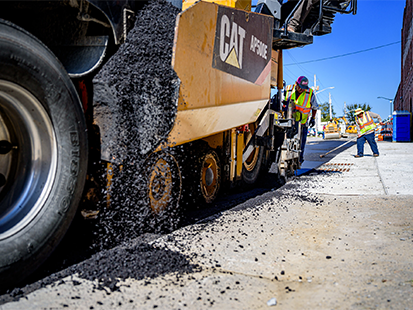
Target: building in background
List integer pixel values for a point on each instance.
(404, 96)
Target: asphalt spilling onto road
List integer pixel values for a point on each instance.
(139, 88)
(79, 254)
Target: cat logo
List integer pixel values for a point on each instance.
(231, 42)
(243, 44)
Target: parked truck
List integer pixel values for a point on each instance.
(57, 118)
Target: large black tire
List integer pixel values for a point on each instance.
(201, 170)
(41, 116)
(253, 166)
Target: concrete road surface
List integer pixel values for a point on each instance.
(338, 237)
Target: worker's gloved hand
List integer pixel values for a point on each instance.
(285, 105)
(312, 122)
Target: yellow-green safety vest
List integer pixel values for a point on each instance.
(302, 105)
(365, 123)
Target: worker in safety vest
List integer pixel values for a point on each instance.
(365, 131)
(305, 103)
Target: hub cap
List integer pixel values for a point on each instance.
(29, 166)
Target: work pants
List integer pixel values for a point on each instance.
(303, 139)
(301, 13)
(304, 131)
(372, 142)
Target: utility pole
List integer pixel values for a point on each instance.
(315, 83)
(316, 92)
(318, 114)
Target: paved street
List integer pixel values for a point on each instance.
(339, 236)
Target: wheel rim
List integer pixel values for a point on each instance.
(30, 166)
(161, 186)
(210, 178)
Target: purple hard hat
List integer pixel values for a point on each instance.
(302, 81)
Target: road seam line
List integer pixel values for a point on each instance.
(381, 179)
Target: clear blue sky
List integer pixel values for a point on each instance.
(358, 78)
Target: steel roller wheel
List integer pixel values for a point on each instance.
(43, 153)
(163, 190)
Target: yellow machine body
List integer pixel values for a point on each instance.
(352, 129)
(332, 131)
(238, 4)
(223, 58)
(226, 66)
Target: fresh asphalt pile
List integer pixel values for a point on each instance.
(136, 259)
(139, 88)
(141, 259)
(148, 257)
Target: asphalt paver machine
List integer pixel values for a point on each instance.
(216, 128)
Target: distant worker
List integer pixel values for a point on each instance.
(365, 131)
(305, 103)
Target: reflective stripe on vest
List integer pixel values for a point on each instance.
(288, 91)
(303, 105)
(365, 123)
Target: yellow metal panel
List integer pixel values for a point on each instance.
(215, 141)
(211, 100)
(239, 4)
(199, 123)
(202, 85)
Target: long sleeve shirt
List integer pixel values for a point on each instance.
(313, 101)
(314, 104)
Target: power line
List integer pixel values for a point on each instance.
(343, 55)
(289, 74)
(297, 63)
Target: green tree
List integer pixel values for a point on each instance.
(325, 111)
(352, 107)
